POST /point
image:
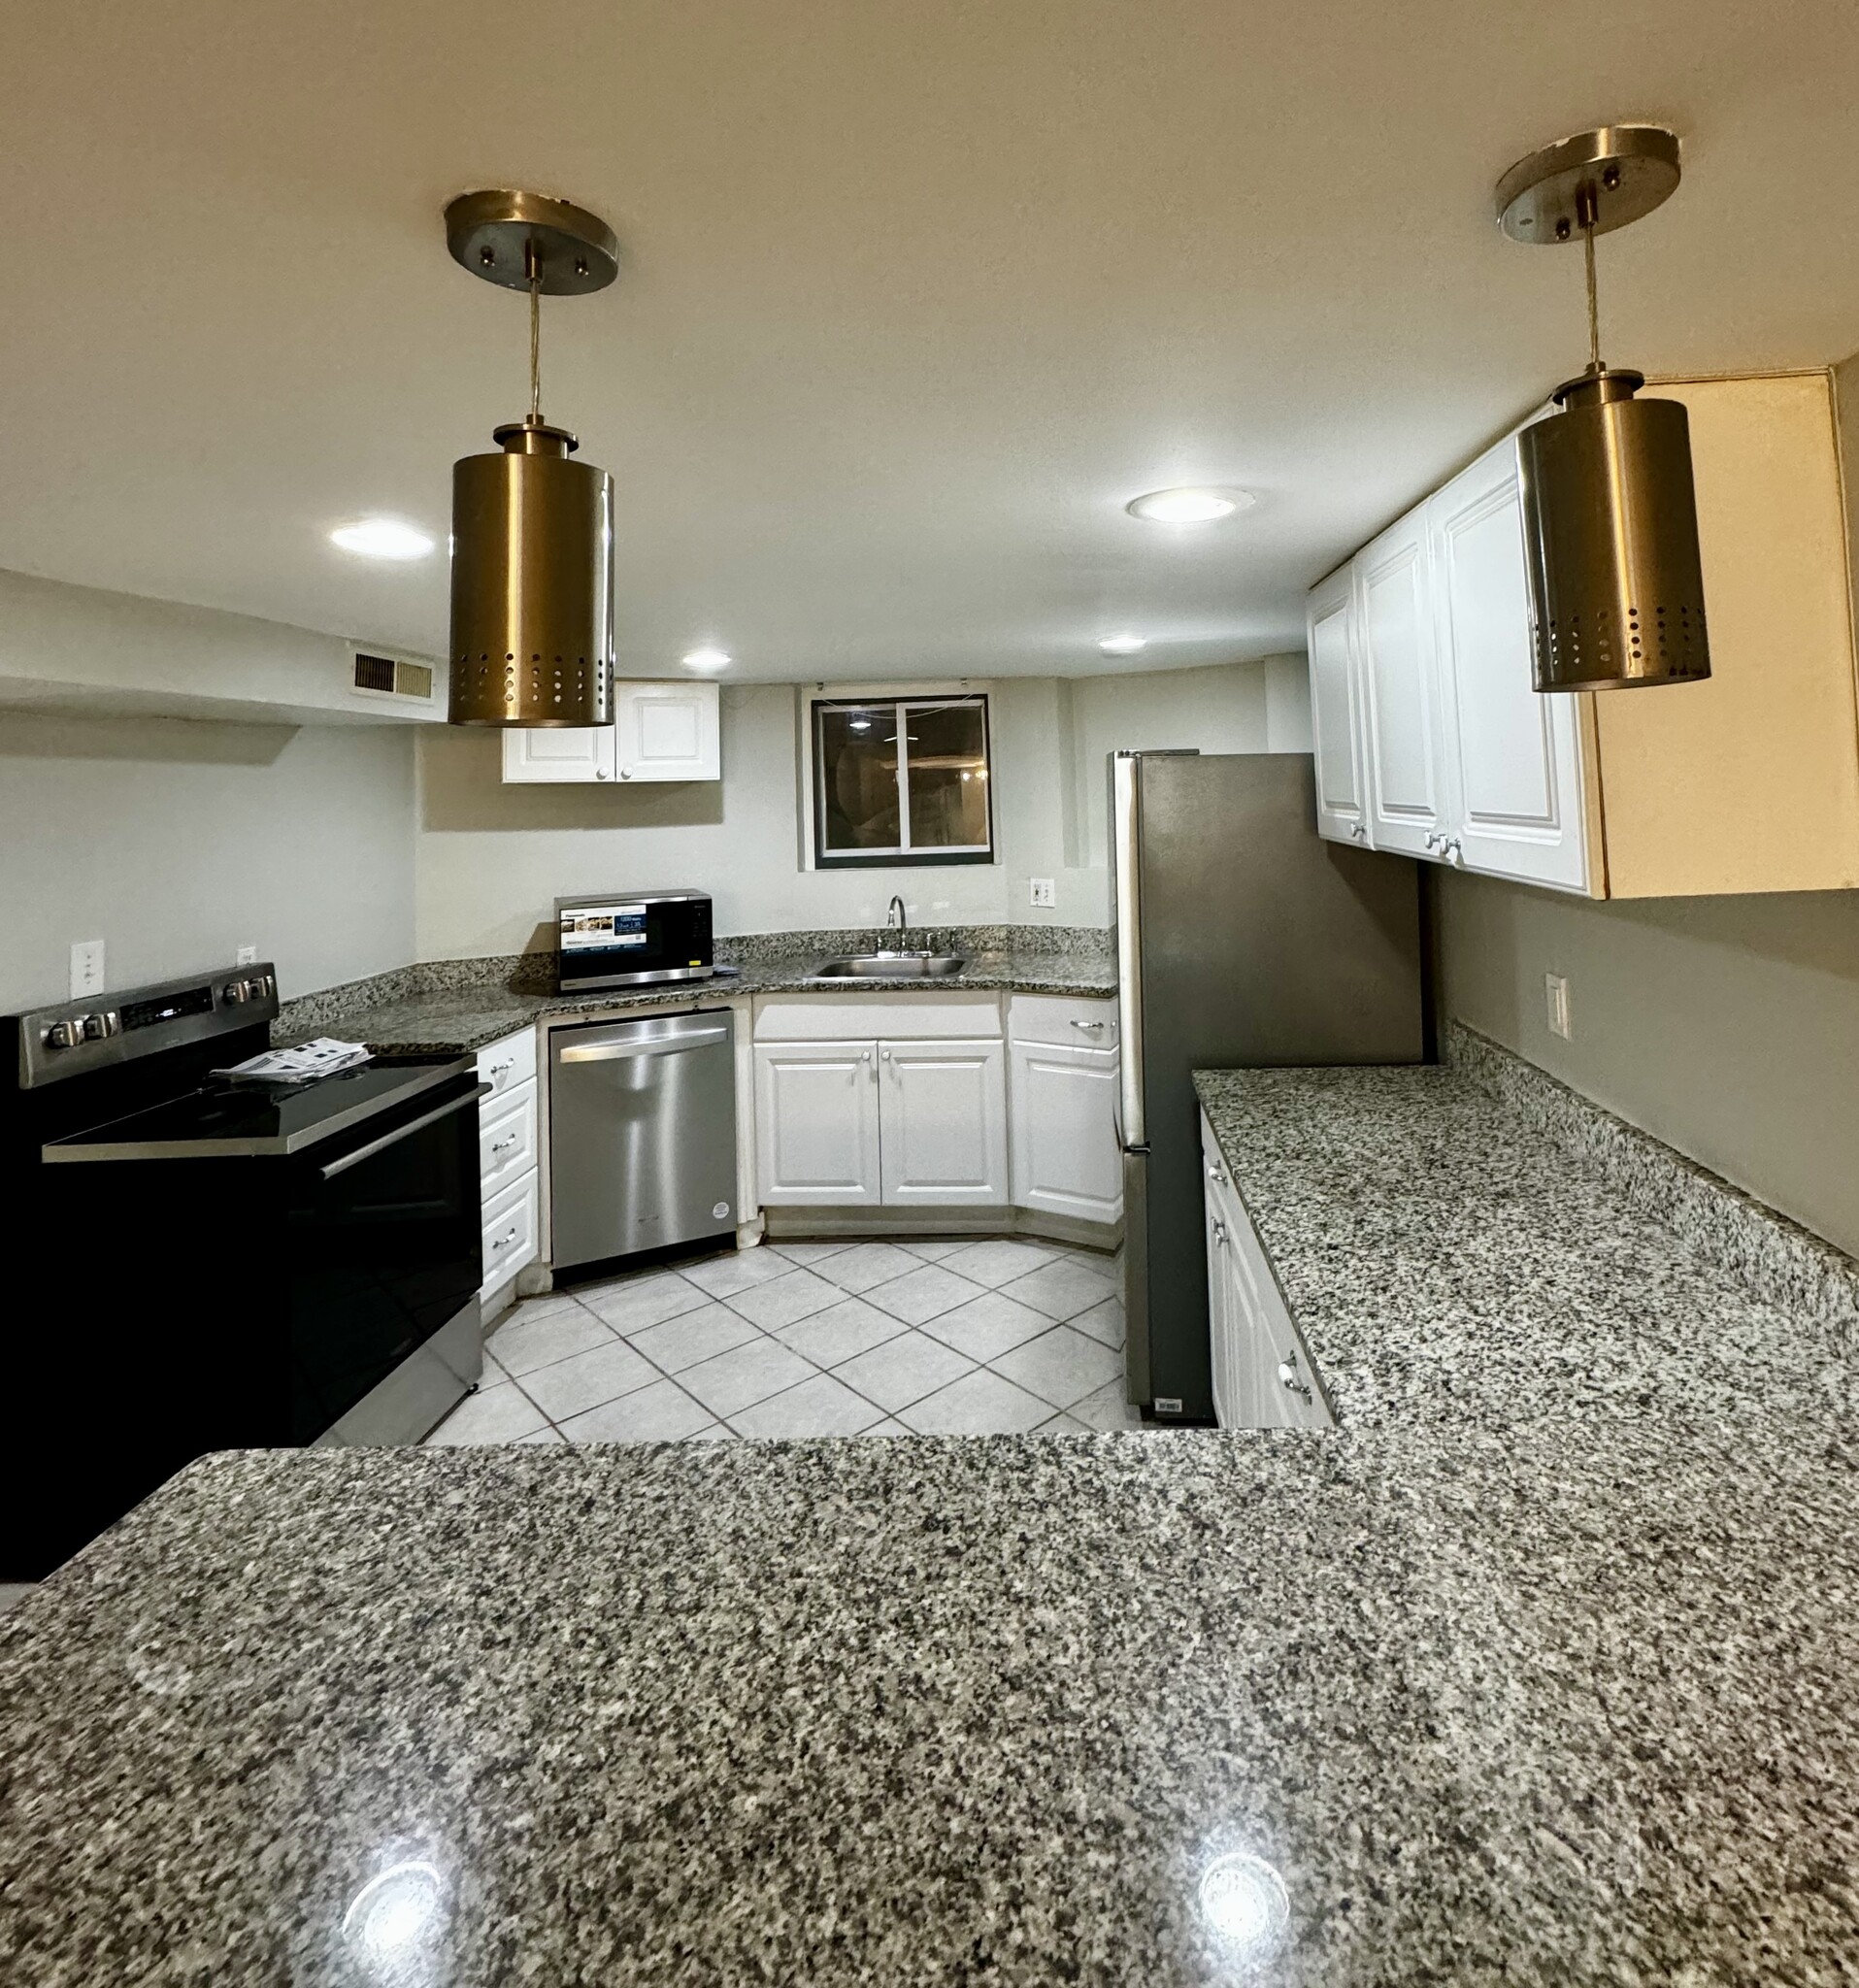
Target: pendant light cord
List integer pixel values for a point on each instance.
(533, 269)
(1586, 212)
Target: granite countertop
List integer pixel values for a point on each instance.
(463, 1018)
(1539, 1669)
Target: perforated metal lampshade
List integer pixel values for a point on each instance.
(532, 589)
(1610, 539)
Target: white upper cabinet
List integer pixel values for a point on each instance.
(660, 732)
(666, 732)
(1400, 679)
(1336, 732)
(1514, 757)
(1428, 730)
(558, 754)
(944, 1124)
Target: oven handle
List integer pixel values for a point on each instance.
(649, 1045)
(400, 1132)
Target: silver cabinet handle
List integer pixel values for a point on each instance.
(1288, 1374)
(504, 1241)
(502, 1145)
(400, 1132)
(498, 1070)
(1213, 1173)
(1219, 1234)
(1358, 831)
(1091, 1027)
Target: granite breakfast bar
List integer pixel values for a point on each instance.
(1540, 1668)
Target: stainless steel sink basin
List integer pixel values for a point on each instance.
(890, 965)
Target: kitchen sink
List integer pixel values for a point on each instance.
(889, 966)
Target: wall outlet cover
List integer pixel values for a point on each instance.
(1045, 893)
(1555, 988)
(246, 956)
(86, 968)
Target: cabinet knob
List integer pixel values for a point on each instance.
(1214, 1174)
(625, 773)
(1219, 1234)
(600, 773)
(1288, 1374)
(1359, 833)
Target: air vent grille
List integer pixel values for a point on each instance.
(387, 677)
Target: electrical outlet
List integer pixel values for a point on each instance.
(86, 968)
(1045, 893)
(246, 956)
(1555, 987)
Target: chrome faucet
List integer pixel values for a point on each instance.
(896, 919)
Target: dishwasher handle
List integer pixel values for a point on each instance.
(614, 1050)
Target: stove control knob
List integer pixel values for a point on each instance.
(237, 990)
(97, 1026)
(65, 1035)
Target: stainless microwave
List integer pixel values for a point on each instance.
(632, 941)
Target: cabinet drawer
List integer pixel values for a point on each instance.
(506, 1065)
(505, 1137)
(511, 1230)
(1062, 1021)
(830, 1018)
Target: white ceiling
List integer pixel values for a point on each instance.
(916, 293)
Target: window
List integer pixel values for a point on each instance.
(901, 780)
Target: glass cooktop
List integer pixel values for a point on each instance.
(222, 1120)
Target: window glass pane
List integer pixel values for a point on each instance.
(858, 779)
(948, 776)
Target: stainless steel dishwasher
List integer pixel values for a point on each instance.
(642, 1135)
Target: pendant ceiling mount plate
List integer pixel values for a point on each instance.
(1628, 169)
(489, 233)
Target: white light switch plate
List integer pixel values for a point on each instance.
(1555, 987)
(1045, 893)
(86, 968)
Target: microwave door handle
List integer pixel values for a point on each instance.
(400, 1132)
(656, 1046)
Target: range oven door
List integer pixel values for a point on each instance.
(386, 1246)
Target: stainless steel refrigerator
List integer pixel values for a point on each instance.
(1242, 938)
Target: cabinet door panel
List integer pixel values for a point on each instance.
(1400, 672)
(1066, 1157)
(1515, 757)
(557, 754)
(1335, 711)
(816, 1129)
(666, 732)
(943, 1117)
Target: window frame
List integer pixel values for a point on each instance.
(901, 703)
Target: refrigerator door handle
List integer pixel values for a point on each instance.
(1125, 852)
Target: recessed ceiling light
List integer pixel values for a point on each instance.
(1124, 645)
(706, 661)
(382, 538)
(1190, 507)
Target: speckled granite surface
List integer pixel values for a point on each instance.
(1540, 1670)
(457, 1006)
(1806, 1275)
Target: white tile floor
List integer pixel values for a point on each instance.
(971, 1337)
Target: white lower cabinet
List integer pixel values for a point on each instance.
(508, 1185)
(1062, 1106)
(943, 1124)
(817, 1124)
(1263, 1378)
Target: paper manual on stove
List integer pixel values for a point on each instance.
(322, 1057)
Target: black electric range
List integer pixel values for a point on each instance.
(227, 1265)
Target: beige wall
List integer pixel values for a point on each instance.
(491, 859)
(178, 841)
(1728, 1027)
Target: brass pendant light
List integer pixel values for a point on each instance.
(532, 533)
(1609, 510)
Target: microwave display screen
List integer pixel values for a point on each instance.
(608, 926)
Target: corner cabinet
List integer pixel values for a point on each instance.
(660, 732)
(1431, 741)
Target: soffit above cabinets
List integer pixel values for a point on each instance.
(912, 300)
